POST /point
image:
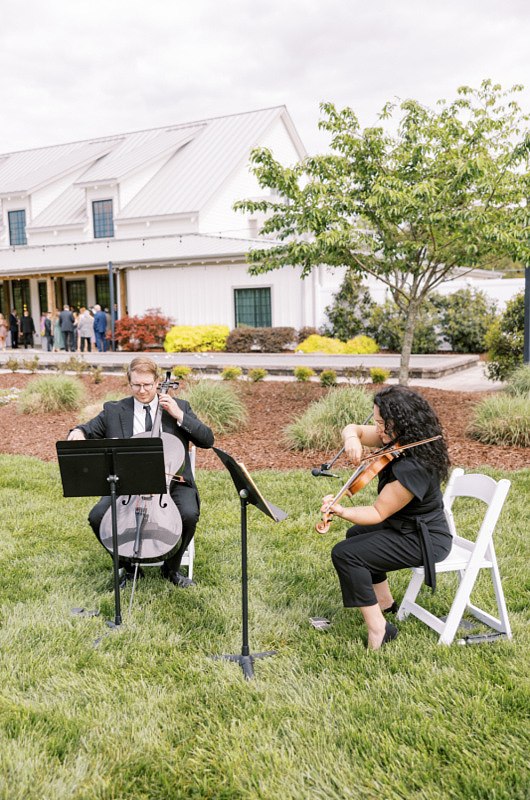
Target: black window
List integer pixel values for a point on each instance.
(17, 227)
(103, 219)
(103, 290)
(43, 297)
(20, 289)
(76, 293)
(253, 307)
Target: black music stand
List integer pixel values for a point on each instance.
(129, 466)
(248, 493)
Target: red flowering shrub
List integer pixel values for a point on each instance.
(142, 333)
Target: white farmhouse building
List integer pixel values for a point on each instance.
(157, 204)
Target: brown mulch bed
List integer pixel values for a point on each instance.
(271, 405)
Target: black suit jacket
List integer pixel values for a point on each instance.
(116, 422)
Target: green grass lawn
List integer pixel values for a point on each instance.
(149, 714)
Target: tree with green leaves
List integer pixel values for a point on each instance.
(405, 203)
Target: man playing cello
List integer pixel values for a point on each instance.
(133, 415)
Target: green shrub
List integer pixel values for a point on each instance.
(196, 338)
(217, 404)
(328, 377)
(257, 374)
(379, 375)
(502, 419)
(321, 344)
(505, 340)
(97, 374)
(245, 339)
(519, 382)
(305, 333)
(231, 373)
(351, 309)
(142, 332)
(13, 364)
(465, 317)
(387, 326)
(53, 393)
(31, 364)
(72, 364)
(303, 374)
(320, 426)
(181, 372)
(361, 344)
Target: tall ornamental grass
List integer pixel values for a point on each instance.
(54, 393)
(320, 425)
(519, 381)
(502, 419)
(217, 404)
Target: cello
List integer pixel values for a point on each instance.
(149, 526)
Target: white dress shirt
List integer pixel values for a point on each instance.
(139, 414)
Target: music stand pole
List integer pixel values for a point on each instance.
(246, 661)
(113, 480)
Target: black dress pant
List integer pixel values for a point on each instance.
(187, 501)
(370, 551)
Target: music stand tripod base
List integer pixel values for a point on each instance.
(246, 661)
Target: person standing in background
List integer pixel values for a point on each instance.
(3, 332)
(58, 339)
(67, 322)
(48, 331)
(85, 329)
(28, 329)
(100, 327)
(14, 328)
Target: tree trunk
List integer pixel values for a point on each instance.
(406, 346)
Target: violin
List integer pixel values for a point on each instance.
(150, 526)
(370, 466)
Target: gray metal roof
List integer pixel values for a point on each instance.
(136, 151)
(194, 173)
(26, 171)
(195, 158)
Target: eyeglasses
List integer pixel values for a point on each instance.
(137, 387)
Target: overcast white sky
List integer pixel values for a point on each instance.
(76, 69)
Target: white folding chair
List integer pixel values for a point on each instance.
(466, 558)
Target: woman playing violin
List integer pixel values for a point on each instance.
(406, 525)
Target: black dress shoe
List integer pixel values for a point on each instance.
(177, 578)
(391, 633)
(392, 610)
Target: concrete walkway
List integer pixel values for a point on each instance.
(442, 371)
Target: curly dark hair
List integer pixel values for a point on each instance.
(409, 417)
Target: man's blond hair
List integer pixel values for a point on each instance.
(143, 364)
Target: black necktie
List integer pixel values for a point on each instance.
(148, 420)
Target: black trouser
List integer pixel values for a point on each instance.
(14, 338)
(88, 344)
(28, 340)
(187, 501)
(370, 551)
(69, 341)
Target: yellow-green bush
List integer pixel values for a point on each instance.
(321, 344)
(361, 344)
(196, 338)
